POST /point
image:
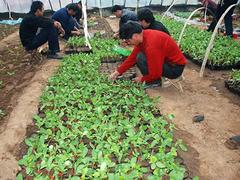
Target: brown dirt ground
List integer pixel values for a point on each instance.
(6, 30)
(207, 156)
(23, 79)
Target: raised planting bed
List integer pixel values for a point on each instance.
(92, 128)
(233, 83)
(77, 45)
(224, 55)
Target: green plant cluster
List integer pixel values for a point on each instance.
(185, 14)
(235, 79)
(92, 128)
(226, 52)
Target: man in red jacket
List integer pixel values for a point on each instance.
(155, 53)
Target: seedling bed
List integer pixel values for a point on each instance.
(92, 128)
(224, 55)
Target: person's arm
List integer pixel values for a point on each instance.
(130, 61)
(155, 61)
(43, 22)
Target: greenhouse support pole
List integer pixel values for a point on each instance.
(50, 3)
(150, 2)
(210, 45)
(8, 8)
(100, 8)
(85, 26)
(137, 7)
(173, 3)
(185, 25)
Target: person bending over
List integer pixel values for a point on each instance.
(125, 15)
(221, 8)
(155, 53)
(65, 17)
(35, 30)
(147, 21)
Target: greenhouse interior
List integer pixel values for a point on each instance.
(120, 89)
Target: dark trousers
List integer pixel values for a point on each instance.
(227, 19)
(169, 71)
(49, 35)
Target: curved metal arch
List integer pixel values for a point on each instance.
(185, 25)
(210, 45)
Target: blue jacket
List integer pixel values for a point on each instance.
(66, 20)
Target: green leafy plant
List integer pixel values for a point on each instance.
(225, 52)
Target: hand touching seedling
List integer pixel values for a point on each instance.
(114, 75)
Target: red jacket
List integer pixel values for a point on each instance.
(158, 48)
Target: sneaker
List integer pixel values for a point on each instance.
(153, 84)
(54, 56)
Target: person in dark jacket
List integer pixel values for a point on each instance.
(222, 7)
(147, 21)
(78, 14)
(155, 53)
(31, 24)
(125, 15)
(65, 17)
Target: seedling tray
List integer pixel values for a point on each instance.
(232, 87)
(212, 66)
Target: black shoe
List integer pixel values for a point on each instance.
(153, 84)
(54, 56)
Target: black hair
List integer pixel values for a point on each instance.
(72, 6)
(35, 6)
(146, 14)
(128, 29)
(115, 8)
(80, 2)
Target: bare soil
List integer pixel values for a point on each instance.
(207, 156)
(6, 30)
(16, 68)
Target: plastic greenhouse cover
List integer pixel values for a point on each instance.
(23, 6)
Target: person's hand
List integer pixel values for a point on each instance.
(116, 35)
(123, 43)
(114, 75)
(137, 79)
(76, 33)
(62, 32)
(57, 24)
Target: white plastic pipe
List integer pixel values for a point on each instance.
(85, 26)
(164, 14)
(185, 25)
(210, 45)
(100, 8)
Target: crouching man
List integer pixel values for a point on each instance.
(155, 53)
(48, 31)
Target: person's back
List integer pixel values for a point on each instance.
(147, 21)
(125, 15)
